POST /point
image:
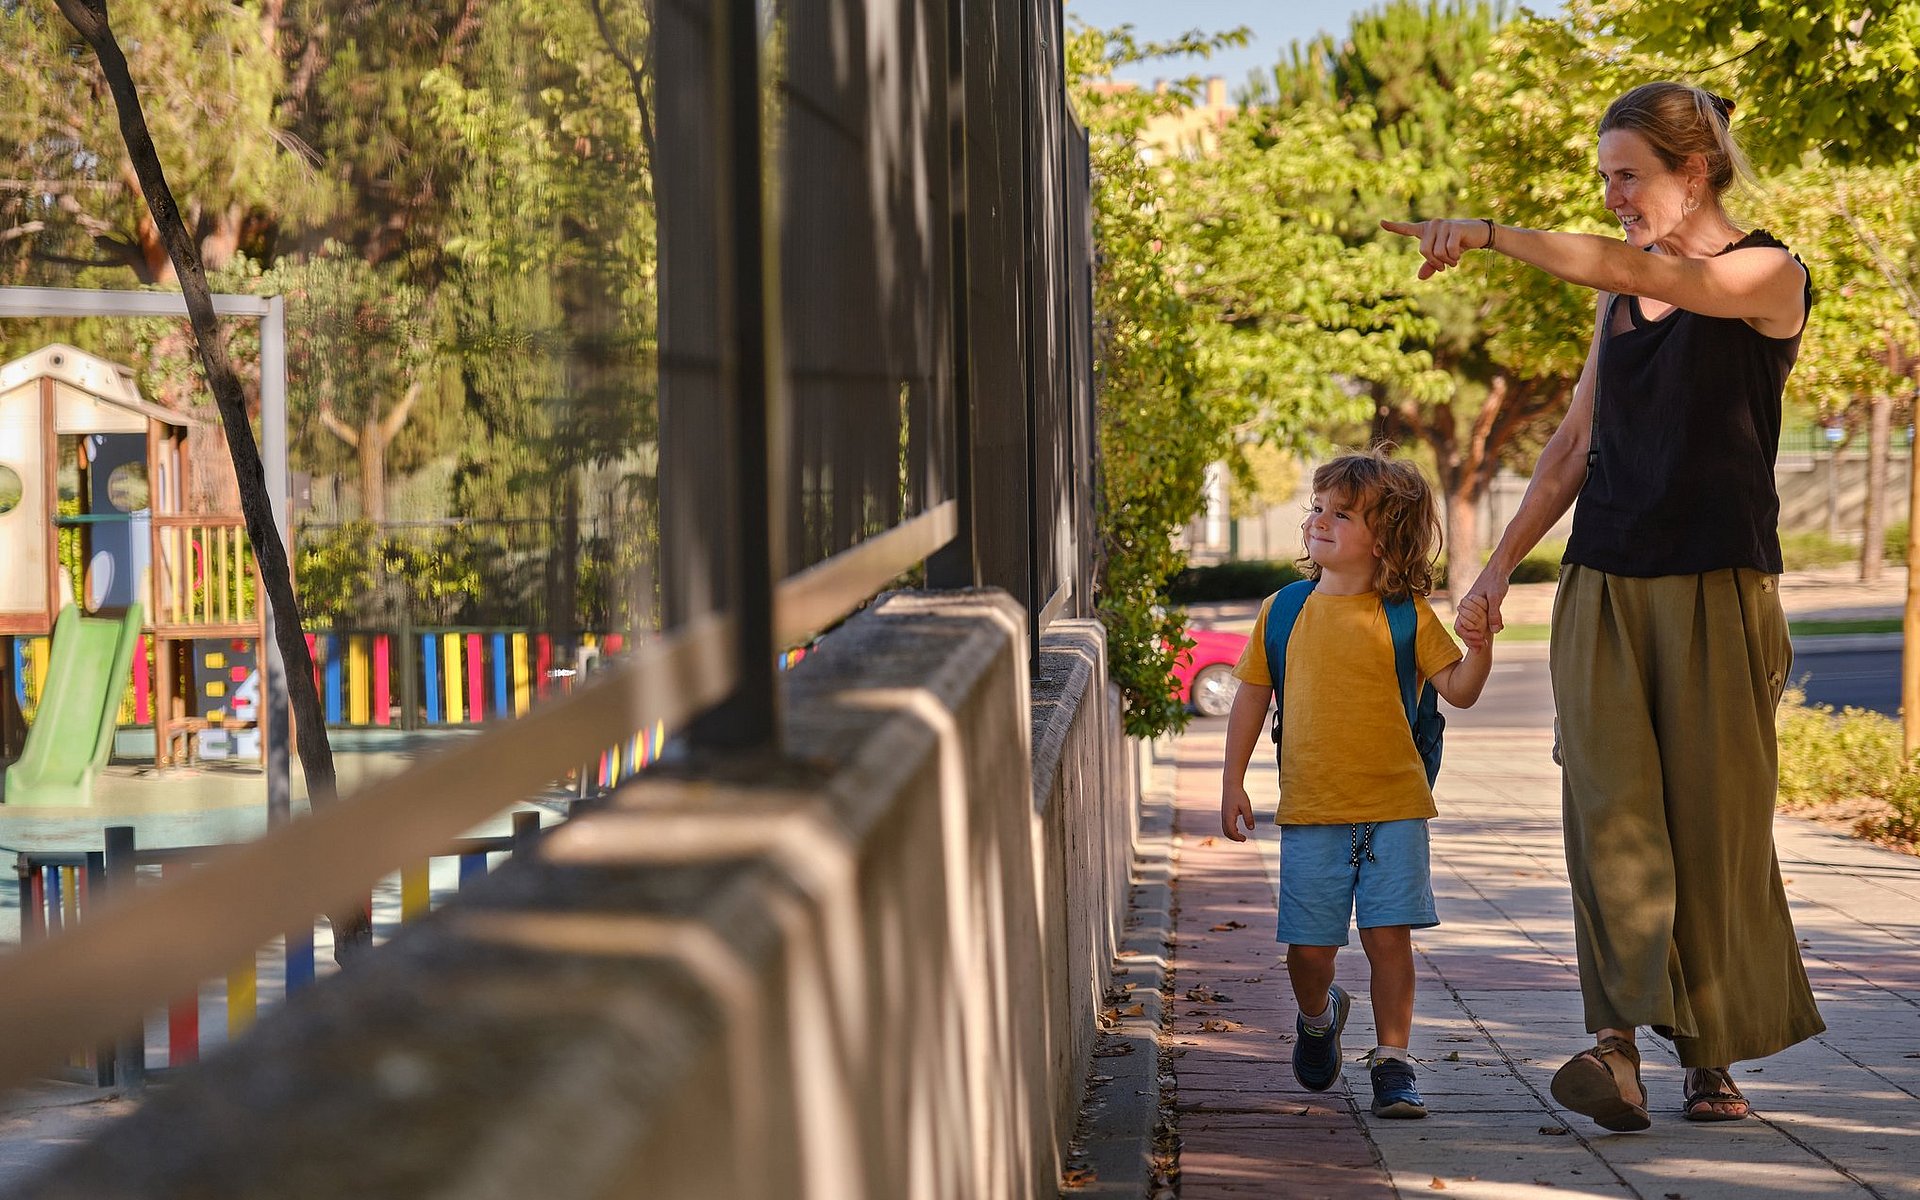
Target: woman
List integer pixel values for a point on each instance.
(1670, 649)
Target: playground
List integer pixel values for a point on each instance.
(138, 711)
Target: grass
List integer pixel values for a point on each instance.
(1825, 628)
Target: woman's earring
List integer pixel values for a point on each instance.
(1693, 202)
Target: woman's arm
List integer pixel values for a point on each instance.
(1763, 285)
(1557, 479)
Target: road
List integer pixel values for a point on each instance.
(1520, 695)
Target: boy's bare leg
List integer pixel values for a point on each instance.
(1390, 956)
(1310, 969)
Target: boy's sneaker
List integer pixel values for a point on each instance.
(1393, 1092)
(1316, 1052)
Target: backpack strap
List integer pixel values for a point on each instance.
(1281, 616)
(1402, 623)
(1422, 703)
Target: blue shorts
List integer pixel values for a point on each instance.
(1332, 876)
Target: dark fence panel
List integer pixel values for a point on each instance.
(700, 480)
(865, 269)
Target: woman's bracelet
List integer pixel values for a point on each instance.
(1489, 221)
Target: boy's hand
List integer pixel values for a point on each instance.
(1235, 809)
(1472, 624)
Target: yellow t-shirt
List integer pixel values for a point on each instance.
(1346, 754)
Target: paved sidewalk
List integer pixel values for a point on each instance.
(1499, 1009)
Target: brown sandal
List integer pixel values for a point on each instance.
(1604, 1084)
(1711, 1094)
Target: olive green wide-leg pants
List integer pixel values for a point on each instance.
(1665, 690)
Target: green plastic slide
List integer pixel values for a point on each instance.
(72, 731)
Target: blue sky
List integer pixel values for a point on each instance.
(1275, 25)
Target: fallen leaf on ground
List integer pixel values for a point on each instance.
(1226, 926)
(1117, 1050)
(1078, 1177)
(1218, 1025)
(1451, 1056)
(1206, 841)
(1103, 1079)
(1555, 1130)
(1438, 1184)
(1206, 995)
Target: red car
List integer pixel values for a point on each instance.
(1205, 673)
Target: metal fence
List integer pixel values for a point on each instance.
(905, 334)
(874, 282)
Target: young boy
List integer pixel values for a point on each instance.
(1354, 796)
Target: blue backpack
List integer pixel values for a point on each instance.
(1423, 711)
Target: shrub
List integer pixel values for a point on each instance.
(1828, 757)
(1541, 565)
(1246, 579)
(1897, 542)
(1811, 548)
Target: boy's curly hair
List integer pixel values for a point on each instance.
(1397, 504)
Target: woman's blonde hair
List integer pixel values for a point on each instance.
(1393, 497)
(1680, 120)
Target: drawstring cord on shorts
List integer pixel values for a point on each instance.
(1359, 841)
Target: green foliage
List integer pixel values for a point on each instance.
(1470, 369)
(1828, 757)
(1833, 74)
(1542, 564)
(1158, 427)
(1244, 579)
(1800, 549)
(209, 84)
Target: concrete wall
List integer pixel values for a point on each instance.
(863, 972)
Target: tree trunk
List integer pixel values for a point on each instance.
(1463, 537)
(373, 473)
(352, 928)
(1873, 547)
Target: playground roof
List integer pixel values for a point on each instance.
(103, 380)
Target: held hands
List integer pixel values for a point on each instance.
(1442, 242)
(1477, 619)
(1471, 622)
(1235, 809)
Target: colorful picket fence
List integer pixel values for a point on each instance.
(58, 890)
(438, 677)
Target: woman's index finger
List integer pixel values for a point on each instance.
(1405, 227)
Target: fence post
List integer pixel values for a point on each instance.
(104, 1054)
(526, 831)
(130, 1053)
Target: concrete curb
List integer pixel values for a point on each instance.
(1123, 1093)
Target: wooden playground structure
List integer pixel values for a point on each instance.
(107, 503)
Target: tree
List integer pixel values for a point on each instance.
(1836, 75)
(1159, 427)
(361, 353)
(353, 928)
(71, 198)
(1378, 124)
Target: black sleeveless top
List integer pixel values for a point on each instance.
(1687, 426)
